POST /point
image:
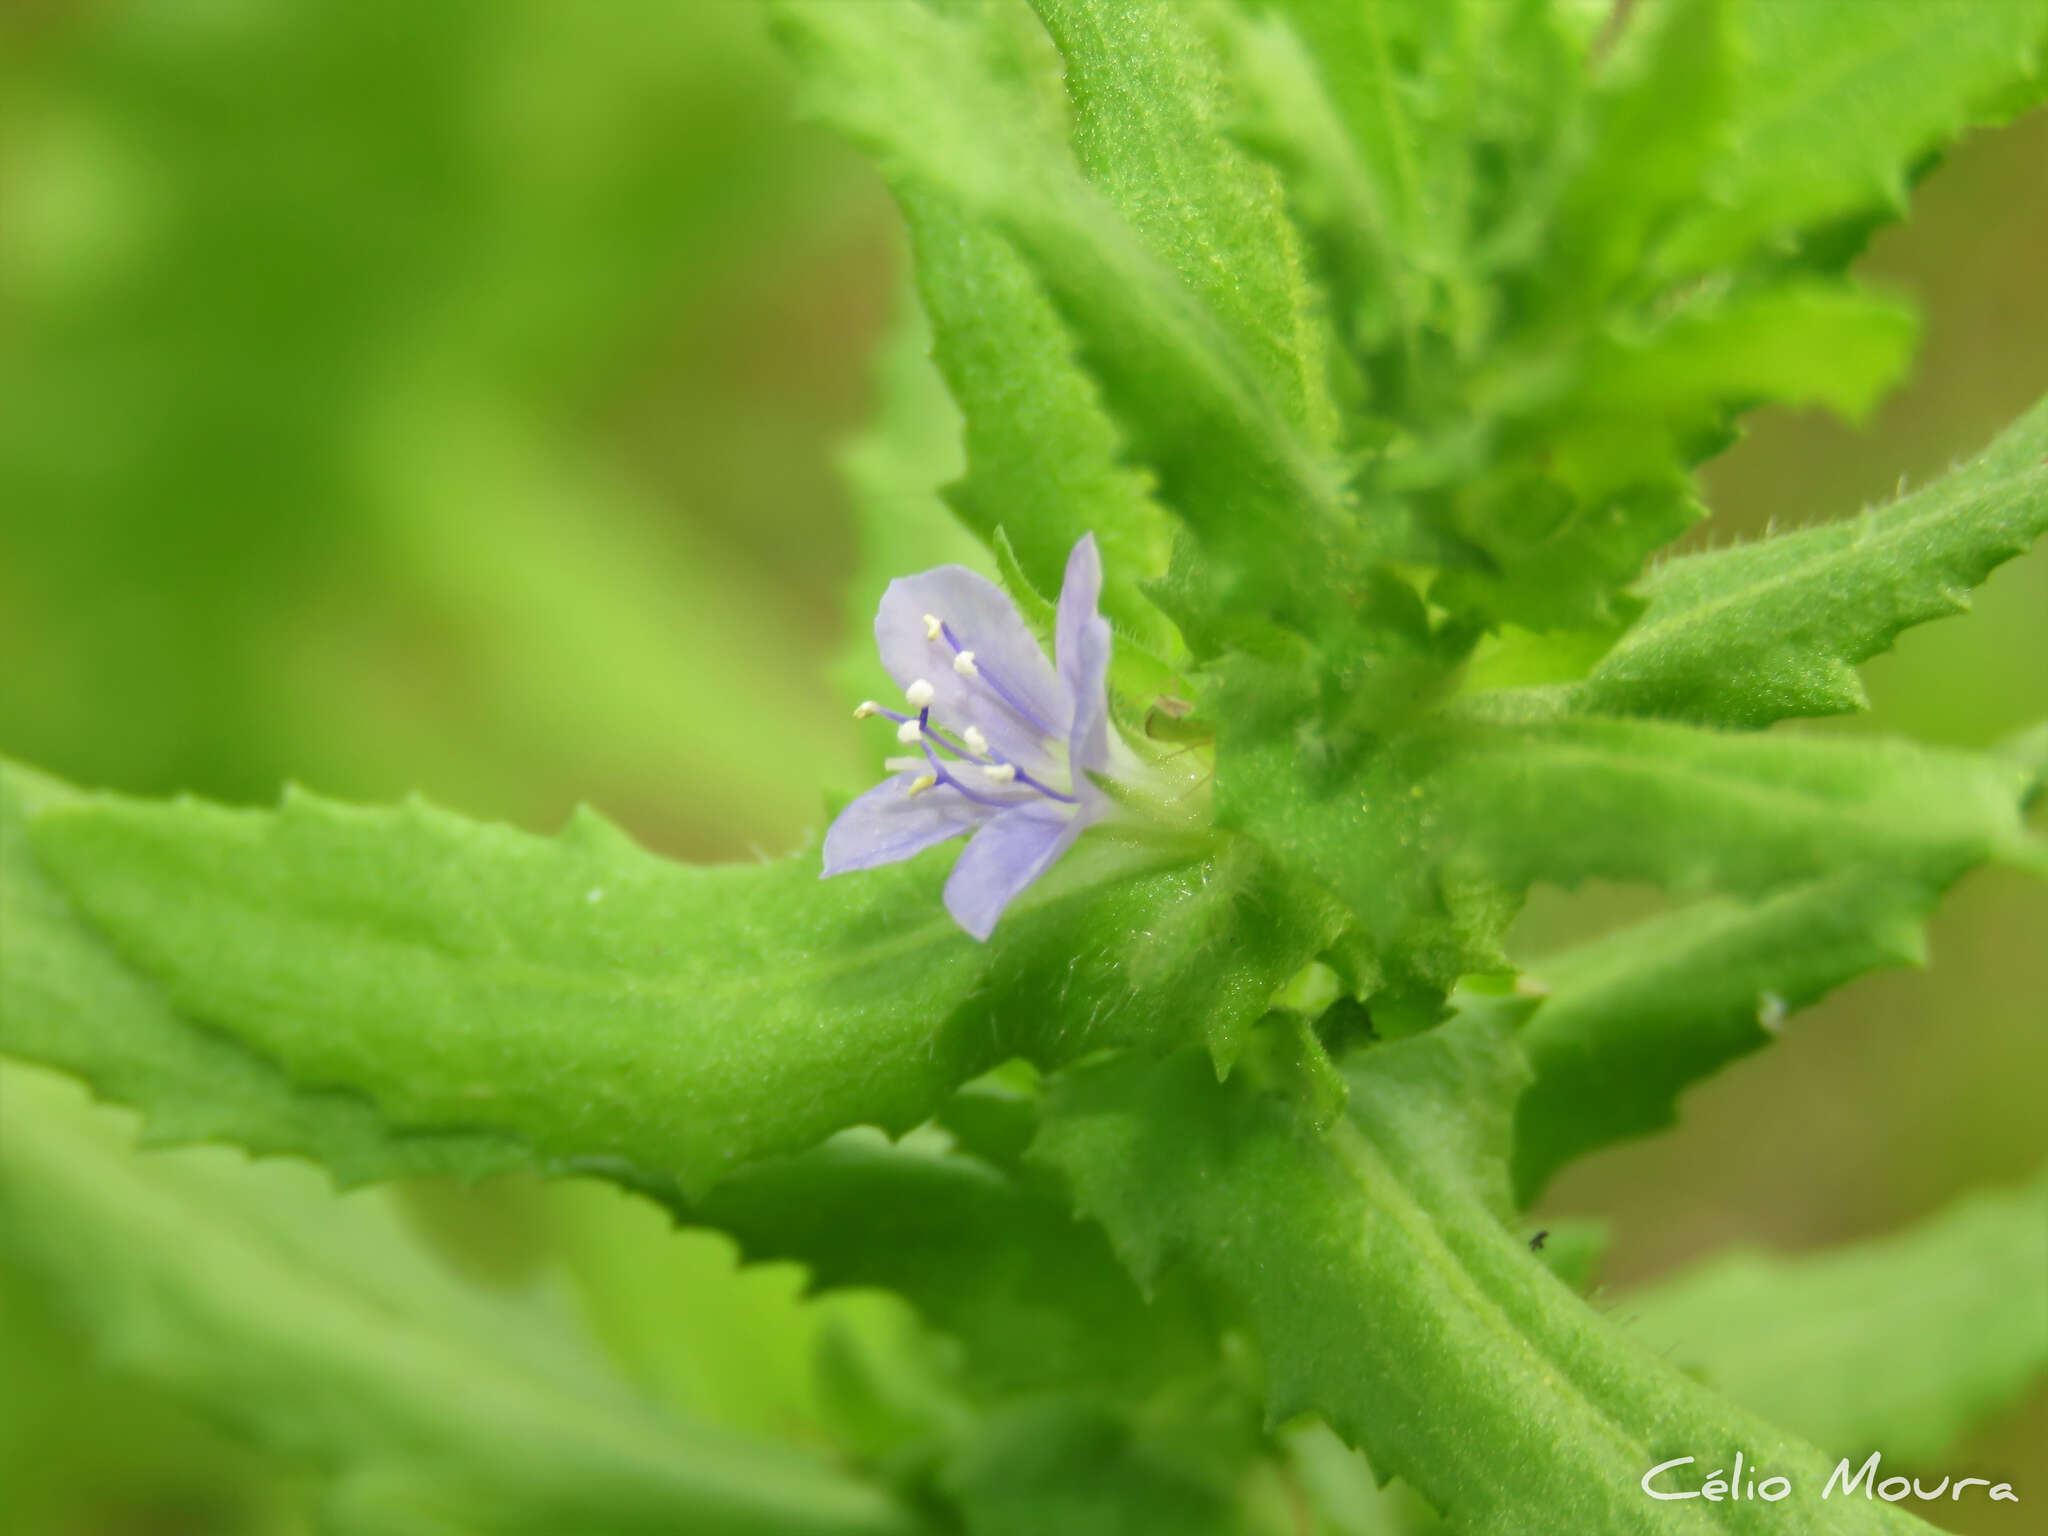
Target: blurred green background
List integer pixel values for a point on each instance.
(447, 398)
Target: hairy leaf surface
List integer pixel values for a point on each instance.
(609, 1008)
(1414, 832)
(68, 1001)
(1373, 1270)
(1760, 632)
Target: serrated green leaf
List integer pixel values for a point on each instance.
(1150, 108)
(945, 102)
(1371, 1268)
(1429, 833)
(68, 1001)
(1839, 104)
(1760, 632)
(312, 1326)
(616, 1012)
(1901, 1344)
(1286, 114)
(1595, 445)
(1631, 1019)
(1797, 343)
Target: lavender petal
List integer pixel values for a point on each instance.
(1004, 857)
(1084, 641)
(888, 824)
(985, 622)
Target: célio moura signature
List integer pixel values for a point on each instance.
(1865, 1479)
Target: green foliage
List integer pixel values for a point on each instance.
(1833, 112)
(915, 86)
(1376, 345)
(67, 1000)
(1373, 1269)
(1631, 1019)
(317, 1329)
(1899, 1344)
(606, 1008)
(1767, 631)
(983, 1252)
(1432, 837)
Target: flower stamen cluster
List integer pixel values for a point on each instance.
(1007, 741)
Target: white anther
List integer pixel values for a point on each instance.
(919, 693)
(909, 733)
(976, 742)
(921, 783)
(865, 708)
(1000, 773)
(903, 764)
(932, 627)
(964, 665)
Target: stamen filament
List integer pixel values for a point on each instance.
(939, 775)
(982, 674)
(1044, 789)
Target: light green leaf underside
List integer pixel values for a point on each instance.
(1837, 106)
(1373, 1272)
(308, 1323)
(1901, 1344)
(615, 1012)
(1760, 632)
(1630, 1020)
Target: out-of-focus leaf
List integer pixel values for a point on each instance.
(1656, 113)
(952, 100)
(1900, 1344)
(1837, 105)
(1081, 1470)
(1452, 112)
(1373, 1270)
(1756, 633)
(312, 1326)
(615, 1012)
(1632, 1019)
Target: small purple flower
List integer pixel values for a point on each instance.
(1006, 742)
